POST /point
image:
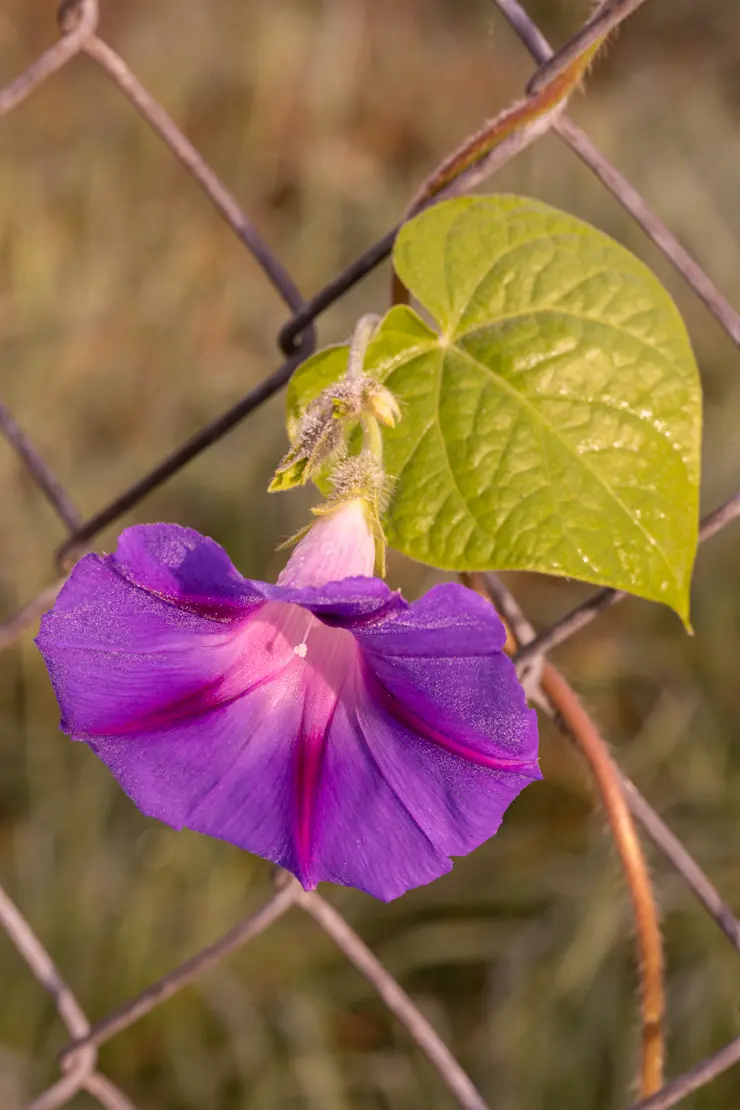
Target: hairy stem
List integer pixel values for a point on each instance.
(649, 941)
(363, 333)
(564, 705)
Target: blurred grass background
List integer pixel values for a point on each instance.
(129, 316)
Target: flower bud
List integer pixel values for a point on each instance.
(382, 404)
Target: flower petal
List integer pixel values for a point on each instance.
(366, 834)
(427, 748)
(157, 629)
(339, 545)
(179, 564)
(266, 802)
(394, 804)
(228, 773)
(440, 667)
(350, 603)
(363, 747)
(117, 654)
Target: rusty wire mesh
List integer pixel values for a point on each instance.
(78, 20)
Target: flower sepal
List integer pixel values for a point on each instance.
(327, 427)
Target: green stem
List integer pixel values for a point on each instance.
(363, 333)
(372, 438)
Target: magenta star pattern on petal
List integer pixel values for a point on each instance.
(323, 723)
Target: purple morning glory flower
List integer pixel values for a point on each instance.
(323, 723)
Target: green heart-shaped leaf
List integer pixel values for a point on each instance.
(554, 422)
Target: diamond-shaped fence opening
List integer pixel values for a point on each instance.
(78, 20)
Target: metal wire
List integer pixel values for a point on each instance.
(78, 21)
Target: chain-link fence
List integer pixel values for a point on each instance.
(78, 20)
